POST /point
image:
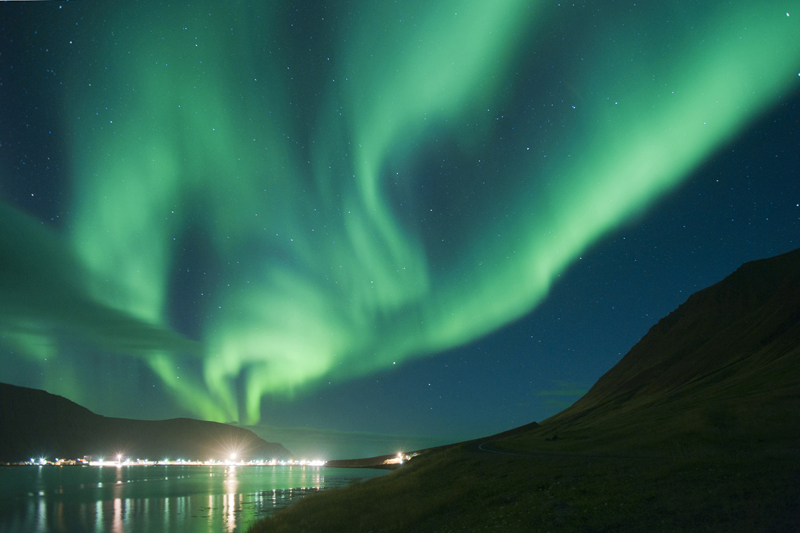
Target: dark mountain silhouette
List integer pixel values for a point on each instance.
(724, 365)
(35, 423)
(721, 372)
(695, 429)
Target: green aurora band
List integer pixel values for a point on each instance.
(373, 183)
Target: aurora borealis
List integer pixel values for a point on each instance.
(253, 200)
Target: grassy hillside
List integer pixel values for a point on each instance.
(721, 370)
(695, 429)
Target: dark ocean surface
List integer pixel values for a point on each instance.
(154, 499)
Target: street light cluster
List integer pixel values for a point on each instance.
(167, 462)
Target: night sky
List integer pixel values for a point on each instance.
(384, 218)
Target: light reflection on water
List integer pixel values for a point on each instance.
(193, 499)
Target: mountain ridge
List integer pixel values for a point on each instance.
(723, 365)
(37, 423)
(694, 429)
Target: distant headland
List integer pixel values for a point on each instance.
(36, 424)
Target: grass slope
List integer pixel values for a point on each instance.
(458, 490)
(695, 429)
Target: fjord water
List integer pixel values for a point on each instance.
(154, 499)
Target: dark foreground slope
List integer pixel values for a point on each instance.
(695, 429)
(34, 423)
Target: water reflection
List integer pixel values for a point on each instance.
(153, 499)
(98, 517)
(117, 526)
(42, 514)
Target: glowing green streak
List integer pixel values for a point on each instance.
(286, 173)
(398, 88)
(189, 394)
(711, 93)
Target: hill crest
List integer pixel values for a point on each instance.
(37, 423)
(722, 368)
